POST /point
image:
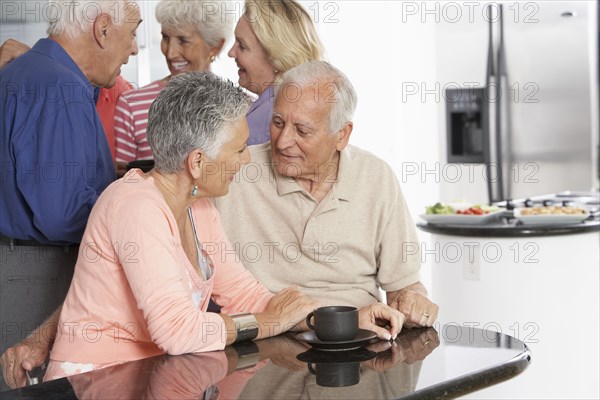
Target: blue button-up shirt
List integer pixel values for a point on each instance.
(55, 158)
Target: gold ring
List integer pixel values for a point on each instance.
(425, 314)
(427, 342)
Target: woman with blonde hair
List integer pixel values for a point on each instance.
(271, 37)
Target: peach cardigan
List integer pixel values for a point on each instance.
(135, 294)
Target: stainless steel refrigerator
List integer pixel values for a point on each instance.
(519, 105)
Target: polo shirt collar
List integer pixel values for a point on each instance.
(285, 184)
(54, 50)
(341, 189)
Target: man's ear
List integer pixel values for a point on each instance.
(102, 25)
(344, 136)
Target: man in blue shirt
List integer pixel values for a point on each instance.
(55, 159)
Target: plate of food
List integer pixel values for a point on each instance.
(445, 214)
(551, 215)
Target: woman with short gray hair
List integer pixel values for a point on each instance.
(154, 251)
(193, 35)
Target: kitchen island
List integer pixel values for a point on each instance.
(538, 283)
(422, 363)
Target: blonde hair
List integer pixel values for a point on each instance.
(75, 17)
(285, 30)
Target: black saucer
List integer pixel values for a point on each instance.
(364, 337)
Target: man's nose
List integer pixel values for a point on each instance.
(134, 47)
(286, 137)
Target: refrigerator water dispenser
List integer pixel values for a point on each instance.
(466, 116)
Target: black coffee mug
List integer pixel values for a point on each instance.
(334, 323)
(144, 165)
(336, 374)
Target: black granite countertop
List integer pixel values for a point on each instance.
(508, 226)
(421, 363)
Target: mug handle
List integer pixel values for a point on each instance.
(311, 369)
(310, 314)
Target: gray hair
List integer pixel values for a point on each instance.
(321, 72)
(204, 16)
(194, 111)
(75, 17)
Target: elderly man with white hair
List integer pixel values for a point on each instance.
(55, 157)
(313, 211)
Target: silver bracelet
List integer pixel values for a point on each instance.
(246, 326)
(248, 354)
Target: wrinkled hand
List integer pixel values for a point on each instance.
(418, 344)
(418, 309)
(377, 315)
(410, 346)
(282, 351)
(18, 359)
(10, 50)
(289, 307)
(389, 354)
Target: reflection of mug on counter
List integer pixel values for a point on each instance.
(336, 374)
(336, 368)
(393, 372)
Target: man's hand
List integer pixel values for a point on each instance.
(22, 357)
(416, 344)
(377, 315)
(412, 301)
(389, 354)
(411, 346)
(10, 50)
(30, 353)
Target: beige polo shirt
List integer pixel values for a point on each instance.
(358, 238)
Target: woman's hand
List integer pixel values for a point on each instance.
(285, 311)
(377, 315)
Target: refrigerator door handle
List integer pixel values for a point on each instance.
(500, 79)
(486, 125)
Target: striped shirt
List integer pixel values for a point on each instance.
(131, 120)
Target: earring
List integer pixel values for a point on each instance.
(212, 59)
(195, 191)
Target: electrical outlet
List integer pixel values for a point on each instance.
(472, 262)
